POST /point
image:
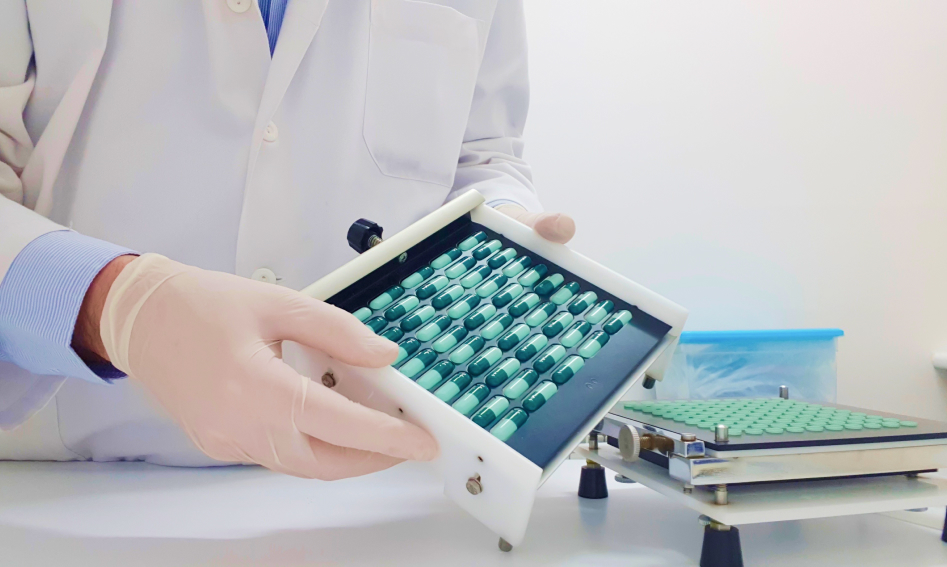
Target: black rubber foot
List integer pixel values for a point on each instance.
(648, 383)
(943, 534)
(592, 483)
(721, 548)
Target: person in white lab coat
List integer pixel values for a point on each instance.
(228, 136)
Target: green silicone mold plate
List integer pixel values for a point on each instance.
(775, 421)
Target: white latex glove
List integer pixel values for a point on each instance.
(207, 346)
(555, 227)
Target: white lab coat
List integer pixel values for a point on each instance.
(166, 127)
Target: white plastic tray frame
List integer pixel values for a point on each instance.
(509, 480)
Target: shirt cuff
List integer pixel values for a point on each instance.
(40, 297)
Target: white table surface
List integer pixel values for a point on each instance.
(136, 514)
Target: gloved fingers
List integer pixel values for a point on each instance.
(331, 417)
(317, 459)
(555, 227)
(331, 330)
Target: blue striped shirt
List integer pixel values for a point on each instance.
(40, 297)
(273, 12)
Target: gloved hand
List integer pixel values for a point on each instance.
(555, 227)
(207, 346)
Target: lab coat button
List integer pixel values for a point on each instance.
(270, 133)
(239, 6)
(264, 275)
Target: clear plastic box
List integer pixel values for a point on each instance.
(741, 364)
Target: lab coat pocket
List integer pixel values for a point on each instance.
(422, 68)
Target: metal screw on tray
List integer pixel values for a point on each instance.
(784, 392)
(473, 485)
(505, 546)
(720, 495)
(722, 433)
(328, 379)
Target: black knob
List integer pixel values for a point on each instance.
(363, 234)
(648, 382)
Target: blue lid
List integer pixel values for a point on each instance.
(760, 335)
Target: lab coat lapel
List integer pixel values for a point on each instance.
(299, 27)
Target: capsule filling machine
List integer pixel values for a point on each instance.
(513, 349)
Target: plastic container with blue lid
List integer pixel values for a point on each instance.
(738, 364)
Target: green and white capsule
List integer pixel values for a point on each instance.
(449, 339)
(485, 249)
(503, 372)
(471, 399)
(453, 387)
(474, 276)
(406, 348)
(538, 397)
(432, 286)
(523, 304)
(480, 316)
(522, 382)
(533, 275)
(458, 268)
(513, 337)
(617, 321)
(568, 369)
(467, 349)
(491, 285)
(511, 422)
(565, 293)
(463, 306)
(549, 358)
(432, 329)
(472, 240)
(575, 334)
(532, 346)
(401, 308)
(417, 277)
(513, 269)
(491, 411)
(599, 312)
(376, 324)
(430, 379)
(386, 298)
(594, 344)
(494, 327)
(557, 324)
(549, 284)
(393, 334)
(501, 257)
(445, 258)
(582, 302)
(417, 364)
(508, 294)
(483, 362)
(446, 297)
(539, 315)
(362, 314)
(417, 318)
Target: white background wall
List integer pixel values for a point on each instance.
(764, 164)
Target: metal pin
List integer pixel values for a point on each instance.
(720, 495)
(784, 392)
(593, 442)
(505, 546)
(688, 437)
(722, 433)
(688, 488)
